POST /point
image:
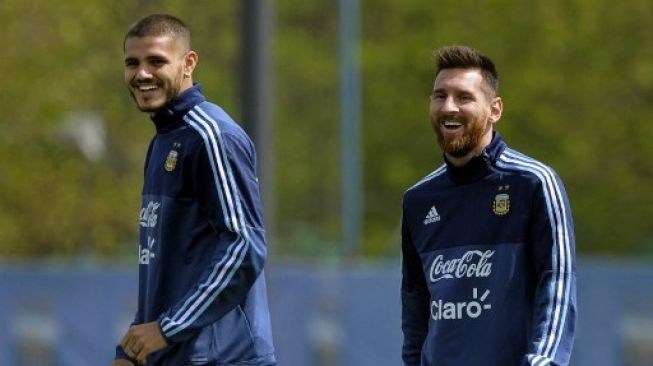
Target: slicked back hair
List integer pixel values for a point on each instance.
(452, 57)
(159, 25)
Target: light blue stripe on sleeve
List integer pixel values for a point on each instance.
(561, 255)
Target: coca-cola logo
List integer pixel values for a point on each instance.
(148, 214)
(473, 263)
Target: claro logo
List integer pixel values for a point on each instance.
(474, 263)
(460, 310)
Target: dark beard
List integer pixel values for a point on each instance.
(171, 93)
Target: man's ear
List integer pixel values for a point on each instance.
(496, 109)
(190, 61)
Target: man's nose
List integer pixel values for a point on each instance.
(143, 73)
(449, 105)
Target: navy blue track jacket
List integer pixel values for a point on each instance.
(488, 264)
(202, 240)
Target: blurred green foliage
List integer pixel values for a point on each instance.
(576, 78)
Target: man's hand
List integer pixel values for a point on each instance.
(141, 340)
(121, 362)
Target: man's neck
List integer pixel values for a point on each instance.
(459, 162)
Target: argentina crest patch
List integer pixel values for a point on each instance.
(171, 159)
(501, 204)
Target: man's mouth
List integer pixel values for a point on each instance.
(146, 87)
(451, 125)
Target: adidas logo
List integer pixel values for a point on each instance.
(432, 216)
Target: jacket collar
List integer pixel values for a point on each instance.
(478, 166)
(170, 117)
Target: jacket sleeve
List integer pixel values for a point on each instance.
(414, 299)
(551, 240)
(227, 188)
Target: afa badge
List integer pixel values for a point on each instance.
(501, 204)
(171, 160)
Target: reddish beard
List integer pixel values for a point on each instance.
(461, 145)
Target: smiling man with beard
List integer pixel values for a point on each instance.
(488, 265)
(202, 297)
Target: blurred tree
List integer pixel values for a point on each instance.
(576, 78)
(307, 111)
(63, 59)
(576, 81)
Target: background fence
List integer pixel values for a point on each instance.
(322, 316)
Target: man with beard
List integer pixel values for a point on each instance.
(488, 269)
(202, 297)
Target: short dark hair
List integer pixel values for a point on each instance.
(452, 57)
(157, 25)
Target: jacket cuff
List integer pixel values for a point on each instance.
(121, 355)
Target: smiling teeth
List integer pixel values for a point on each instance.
(146, 87)
(452, 124)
